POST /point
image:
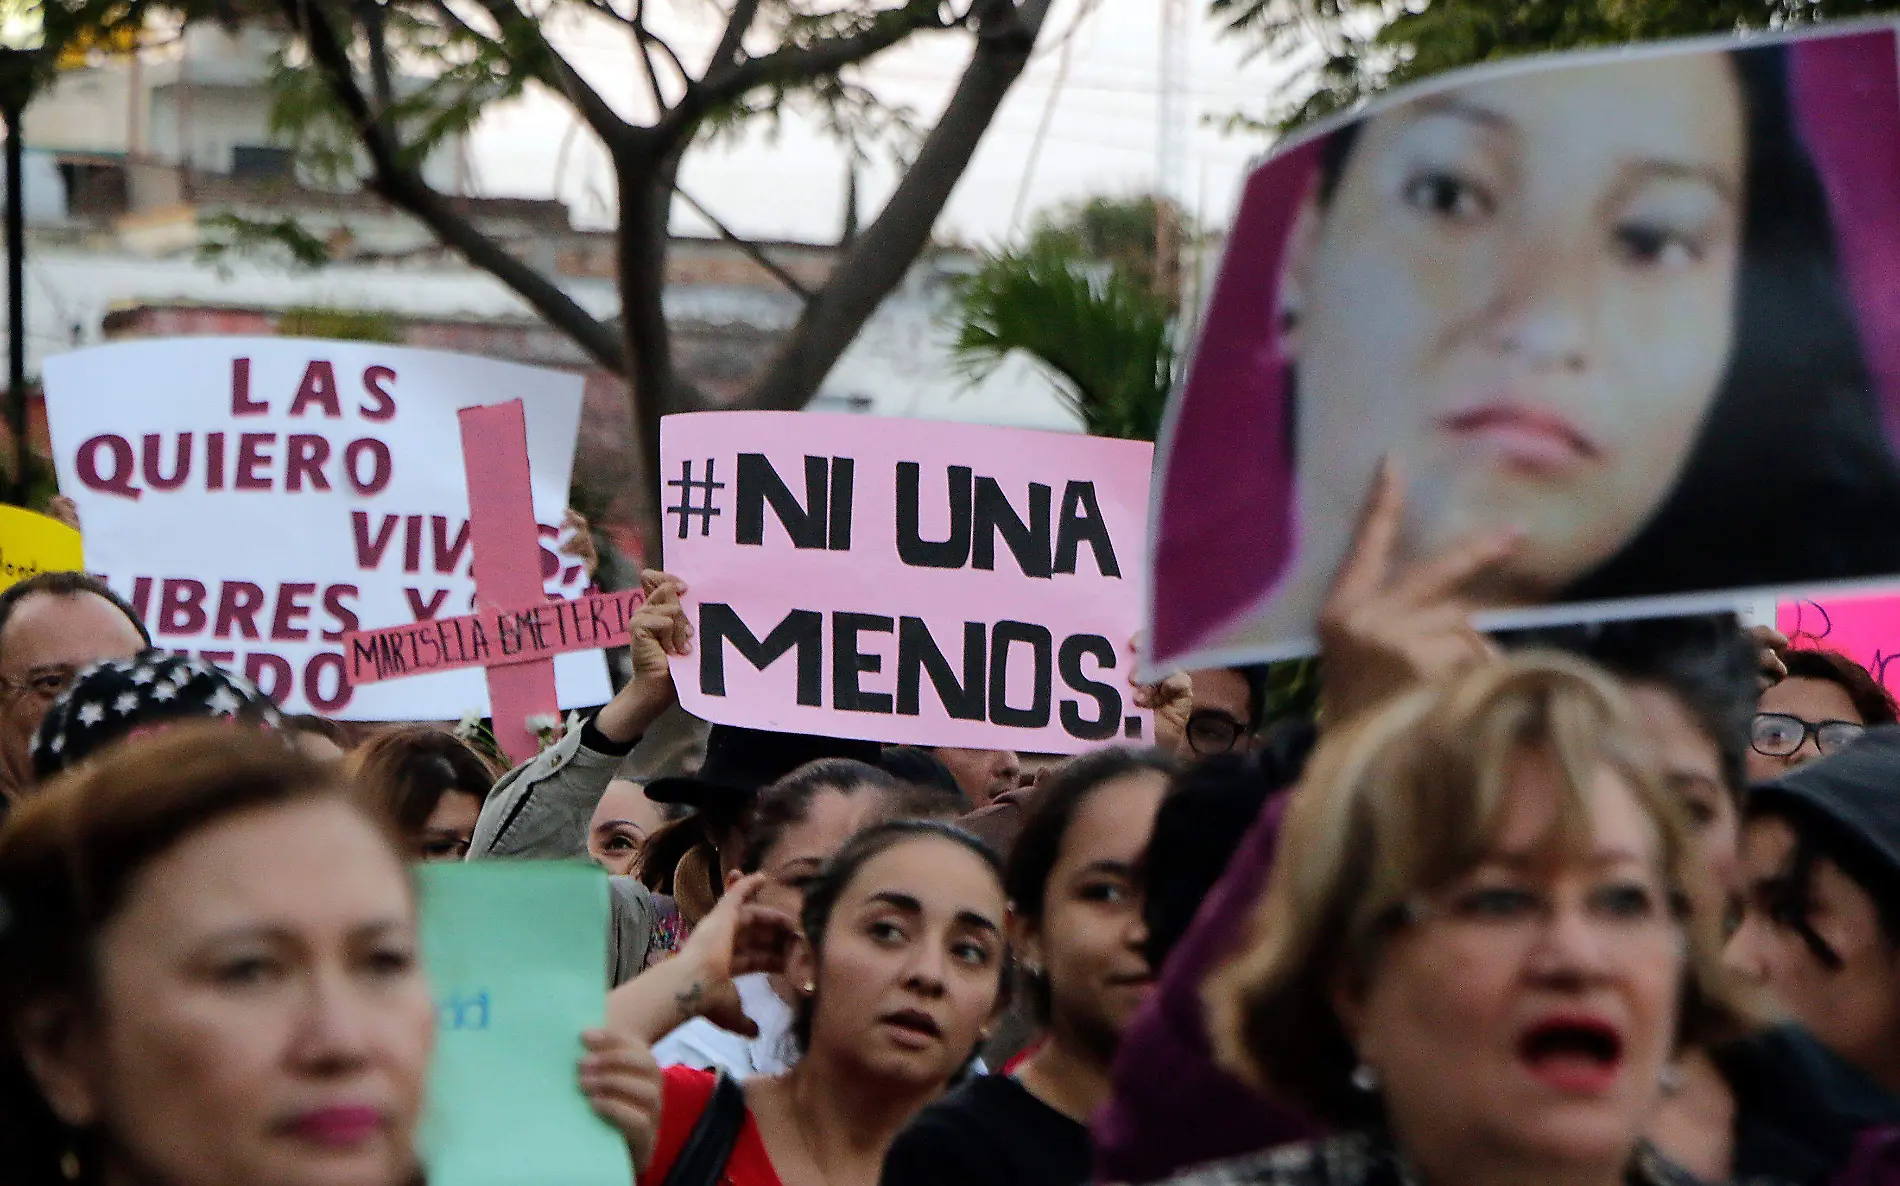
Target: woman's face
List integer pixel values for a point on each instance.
(262, 1016)
(1524, 289)
(793, 863)
(1853, 1008)
(1089, 941)
(1812, 701)
(623, 820)
(1690, 763)
(1529, 1012)
(450, 828)
(912, 964)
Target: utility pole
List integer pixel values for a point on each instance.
(1171, 145)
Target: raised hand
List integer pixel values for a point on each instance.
(1385, 628)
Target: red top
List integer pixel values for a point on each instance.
(683, 1096)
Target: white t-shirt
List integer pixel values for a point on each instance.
(699, 1043)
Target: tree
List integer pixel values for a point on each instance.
(1092, 301)
(1347, 50)
(371, 87)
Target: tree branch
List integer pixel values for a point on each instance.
(404, 187)
(752, 250)
(639, 26)
(557, 74)
(726, 56)
(823, 57)
(879, 258)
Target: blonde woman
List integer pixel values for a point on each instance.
(1475, 957)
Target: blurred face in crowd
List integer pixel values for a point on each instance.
(450, 828)
(1691, 764)
(794, 862)
(1848, 993)
(911, 965)
(622, 822)
(1810, 702)
(1526, 1014)
(1090, 937)
(1524, 289)
(982, 773)
(261, 1014)
(1223, 706)
(51, 638)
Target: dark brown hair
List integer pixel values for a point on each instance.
(407, 770)
(72, 853)
(1873, 702)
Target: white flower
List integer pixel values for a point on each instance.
(224, 703)
(91, 714)
(544, 722)
(126, 702)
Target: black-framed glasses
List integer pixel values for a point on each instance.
(1211, 731)
(1778, 734)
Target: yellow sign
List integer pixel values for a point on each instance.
(31, 544)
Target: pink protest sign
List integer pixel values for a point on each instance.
(501, 524)
(493, 639)
(1865, 629)
(908, 581)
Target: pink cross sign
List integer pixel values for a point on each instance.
(516, 630)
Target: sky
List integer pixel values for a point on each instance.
(1102, 114)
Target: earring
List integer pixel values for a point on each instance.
(809, 987)
(1671, 1080)
(1365, 1078)
(69, 1165)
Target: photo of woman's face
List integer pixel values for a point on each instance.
(1525, 290)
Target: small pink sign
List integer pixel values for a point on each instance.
(908, 581)
(494, 639)
(1865, 629)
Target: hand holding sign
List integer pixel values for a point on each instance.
(1383, 631)
(622, 1083)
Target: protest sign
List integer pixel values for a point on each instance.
(496, 638)
(516, 953)
(31, 544)
(1865, 629)
(907, 581)
(258, 499)
(1640, 307)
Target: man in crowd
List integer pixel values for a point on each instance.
(1226, 712)
(52, 627)
(982, 773)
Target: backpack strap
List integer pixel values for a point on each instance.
(702, 1160)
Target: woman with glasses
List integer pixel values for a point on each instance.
(1474, 958)
(1825, 701)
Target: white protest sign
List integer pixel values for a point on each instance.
(258, 498)
(908, 581)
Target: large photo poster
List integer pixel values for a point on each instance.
(1637, 309)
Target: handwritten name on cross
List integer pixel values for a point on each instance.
(516, 630)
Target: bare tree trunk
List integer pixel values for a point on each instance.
(654, 387)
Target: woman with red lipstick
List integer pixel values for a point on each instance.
(1076, 924)
(208, 976)
(1474, 957)
(900, 964)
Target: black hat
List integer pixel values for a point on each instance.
(109, 700)
(741, 762)
(1856, 789)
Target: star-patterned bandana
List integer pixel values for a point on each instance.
(121, 697)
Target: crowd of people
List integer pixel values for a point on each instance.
(1616, 903)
